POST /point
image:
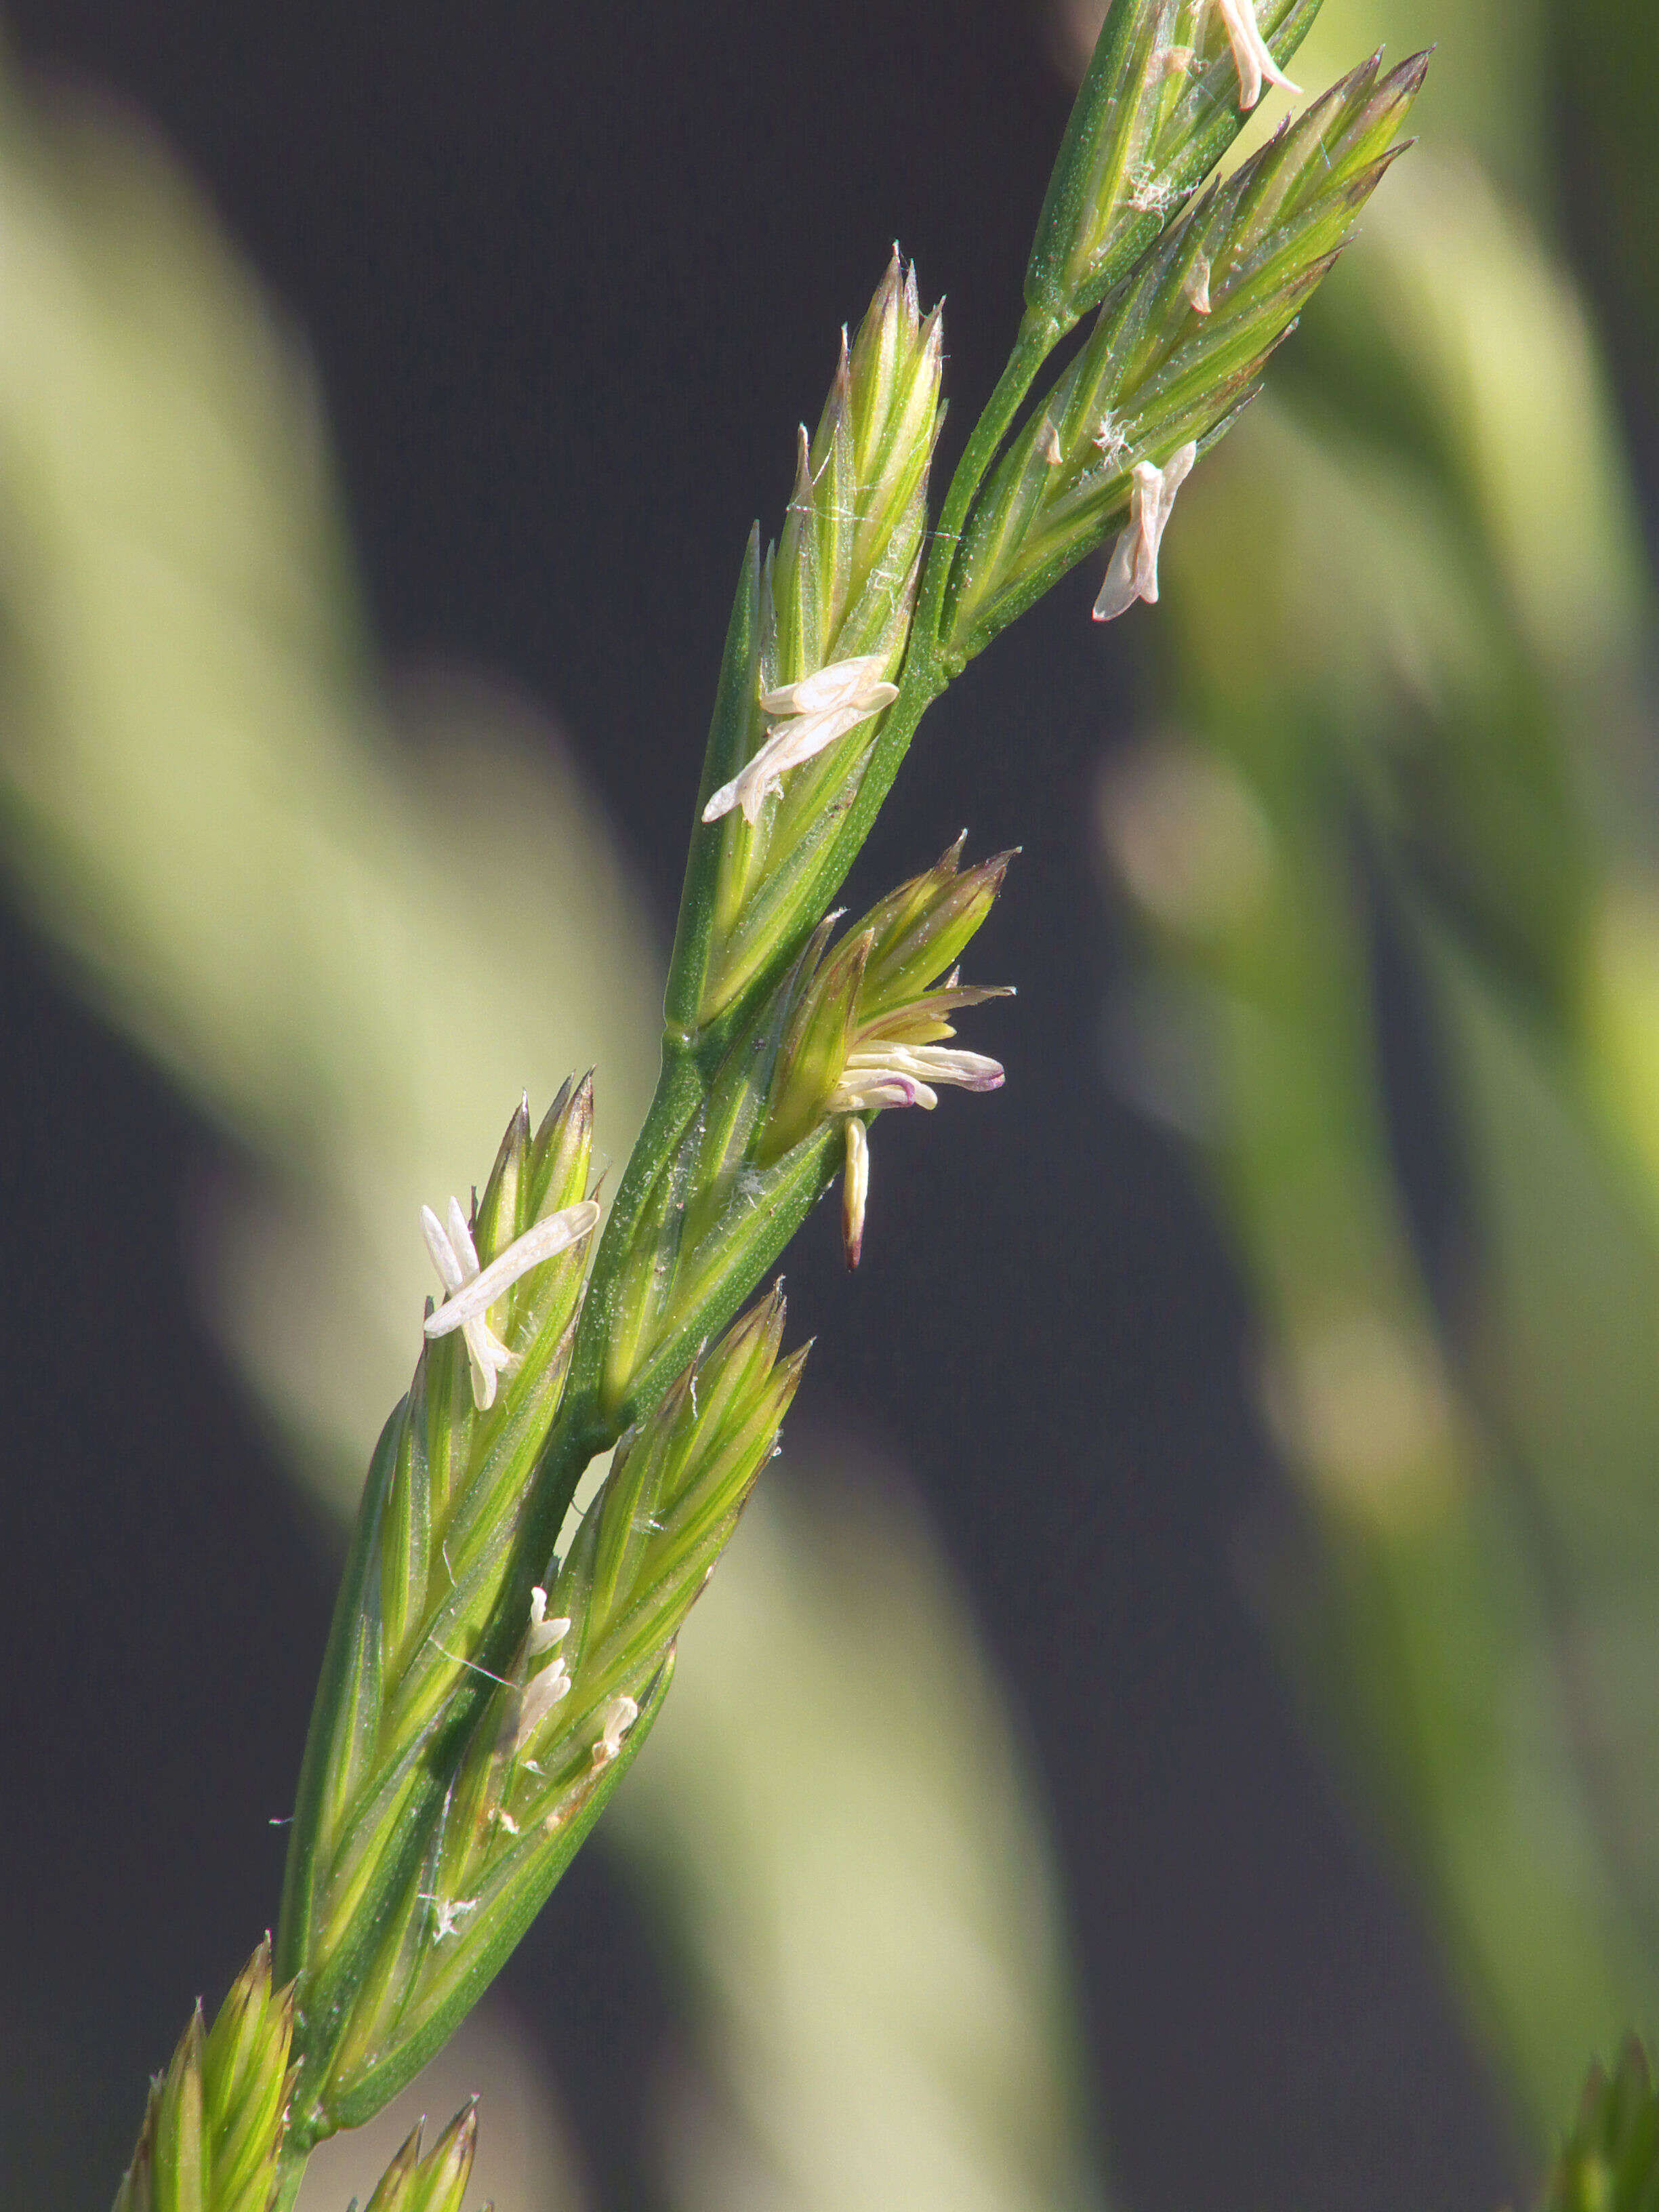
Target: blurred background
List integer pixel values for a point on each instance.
(1180, 1728)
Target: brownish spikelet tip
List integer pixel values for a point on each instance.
(1349, 90)
(1406, 82)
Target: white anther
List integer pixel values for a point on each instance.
(855, 1189)
(456, 1259)
(543, 1240)
(505, 1821)
(903, 1075)
(1250, 56)
(544, 1633)
(1197, 286)
(815, 711)
(460, 1232)
(1131, 573)
(470, 1290)
(618, 1717)
(866, 1093)
(1051, 452)
(536, 1700)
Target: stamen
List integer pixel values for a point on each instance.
(619, 1715)
(855, 1189)
(544, 1633)
(541, 1241)
(818, 708)
(903, 1075)
(857, 1094)
(469, 1292)
(1250, 56)
(1131, 573)
(536, 1700)
(460, 1235)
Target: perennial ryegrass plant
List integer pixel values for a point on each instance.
(494, 1664)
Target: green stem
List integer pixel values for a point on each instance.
(682, 1086)
(682, 996)
(580, 1432)
(587, 1425)
(290, 2172)
(1039, 334)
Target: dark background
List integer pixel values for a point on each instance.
(571, 277)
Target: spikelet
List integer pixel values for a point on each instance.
(1158, 375)
(444, 1502)
(570, 1710)
(1160, 102)
(436, 2183)
(213, 2125)
(816, 641)
(844, 1032)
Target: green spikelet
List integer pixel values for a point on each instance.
(837, 589)
(1156, 112)
(1176, 350)
(436, 2183)
(866, 1016)
(432, 1549)
(841, 1034)
(213, 2123)
(569, 1711)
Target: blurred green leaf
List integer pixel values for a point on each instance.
(1409, 612)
